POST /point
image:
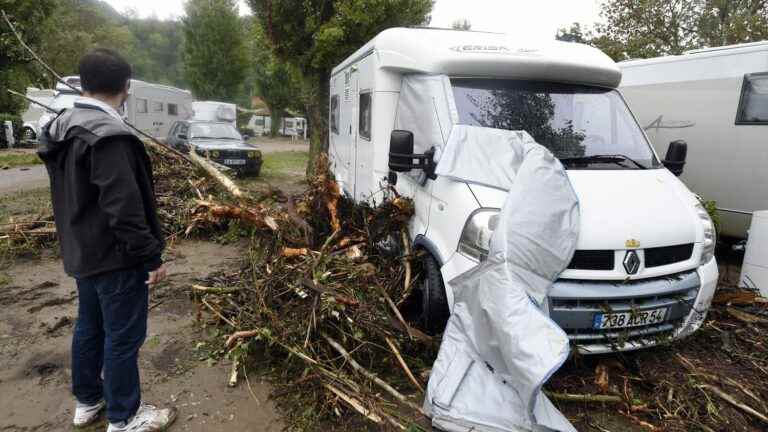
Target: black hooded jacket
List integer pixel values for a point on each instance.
(102, 193)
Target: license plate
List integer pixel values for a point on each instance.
(629, 319)
(234, 161)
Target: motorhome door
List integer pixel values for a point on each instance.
(362, 78)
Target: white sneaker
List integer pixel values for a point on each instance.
(87, 414)
(148, 418)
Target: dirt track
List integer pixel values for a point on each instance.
(39, 308)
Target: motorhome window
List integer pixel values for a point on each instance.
(572, 121)
(364, 126)
(335, 114)
(173, 109)
(141, 106)
(258, 121)
(157, 106)
(214, 131)
(183, 129)
(753, 106)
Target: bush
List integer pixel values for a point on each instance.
(17, 125)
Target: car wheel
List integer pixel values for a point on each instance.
(28, 134)
(434, 301)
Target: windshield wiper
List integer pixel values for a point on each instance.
(613, 158)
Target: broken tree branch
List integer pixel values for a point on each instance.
(217, 175)
(403, 364)
(372, 376)
(731, 400)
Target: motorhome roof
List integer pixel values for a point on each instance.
(700, 54)
(467, 53)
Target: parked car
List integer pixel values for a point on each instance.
(644, 270)
(218, 141)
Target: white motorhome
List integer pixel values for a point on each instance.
(716, 100)
(152, 108)
(644, 269)
(215, 112)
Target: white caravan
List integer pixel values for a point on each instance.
(644, 269)
(716, 100)
(152, 108)
(215, 112)
(30, 117)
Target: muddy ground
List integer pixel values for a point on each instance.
(39, 306)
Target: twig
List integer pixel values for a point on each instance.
(403, 364)
(214, 290)
(730, 399)
(396, 311)
(336, 296)
(569, 397)
(233, 373)
(354, 403)
(217, 313)
(406, 263)
(371, 376)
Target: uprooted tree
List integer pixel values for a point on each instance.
(316, 35)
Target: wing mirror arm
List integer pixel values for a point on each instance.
(403, 159)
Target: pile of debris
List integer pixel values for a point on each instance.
(178, 184)
(322, 290)
(713, 380)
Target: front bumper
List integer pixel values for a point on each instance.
(572, 304)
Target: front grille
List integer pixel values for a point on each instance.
(592, 260)
(659, 256)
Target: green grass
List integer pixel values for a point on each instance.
(27, 203)
(282, 170)
(11, 159)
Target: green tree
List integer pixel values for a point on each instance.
(652, 28)
(17, 69)
(575, 33)
(461, 24)
(316, 35)
(276, 82)
(214, 55)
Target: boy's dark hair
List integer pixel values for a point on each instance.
(103, 71)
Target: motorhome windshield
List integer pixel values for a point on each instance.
(585, 127)
(214, 130)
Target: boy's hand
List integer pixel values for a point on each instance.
(157, 276)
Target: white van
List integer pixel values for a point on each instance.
(214, 112)
(30, 117)
(644, 270)
(716, 99)
(152, 108)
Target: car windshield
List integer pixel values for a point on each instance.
(214, 130)
(585, 127)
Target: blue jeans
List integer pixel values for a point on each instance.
(111, 327)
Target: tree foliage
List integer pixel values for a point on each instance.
(277, 82)
(16, 67)
(214, 55)
(652, 28)
(461, 24)
(316, 35)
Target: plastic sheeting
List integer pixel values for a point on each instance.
(500, 346)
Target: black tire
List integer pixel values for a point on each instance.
(434, 302)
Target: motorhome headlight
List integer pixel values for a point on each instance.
(708, 244)
(476, 238)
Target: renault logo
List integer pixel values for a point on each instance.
(631, 262)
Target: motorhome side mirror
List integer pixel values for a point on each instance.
(676, 154)
(401, 151)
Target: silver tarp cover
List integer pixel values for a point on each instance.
(500, 346)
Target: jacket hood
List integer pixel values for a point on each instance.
(89, 124)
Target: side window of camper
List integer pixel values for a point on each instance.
(157, 106)
(141, 106)
(335, 114)
(753, 105)
(364, 126)
(173, 109)
(183, 129)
